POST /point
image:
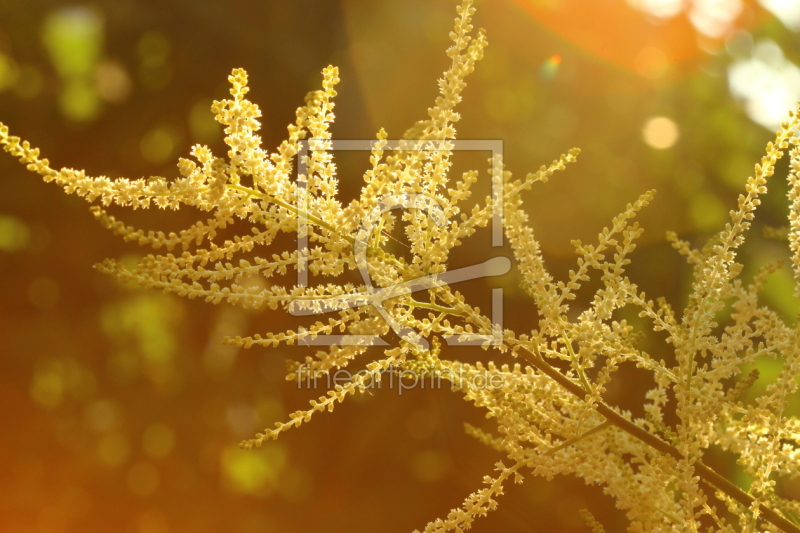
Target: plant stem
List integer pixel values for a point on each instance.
(705, 473)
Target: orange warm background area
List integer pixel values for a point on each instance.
(120, 408)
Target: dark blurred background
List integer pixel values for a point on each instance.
(122, 410)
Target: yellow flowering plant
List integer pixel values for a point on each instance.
(551, 416)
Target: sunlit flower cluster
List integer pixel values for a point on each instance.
(549, 410)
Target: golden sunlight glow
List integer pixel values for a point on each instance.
(660, 132)
(658, 8)
(715, 18)
(767, 83)
(651, 62)
(788, 11)
(712, 18)
(637, 25)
